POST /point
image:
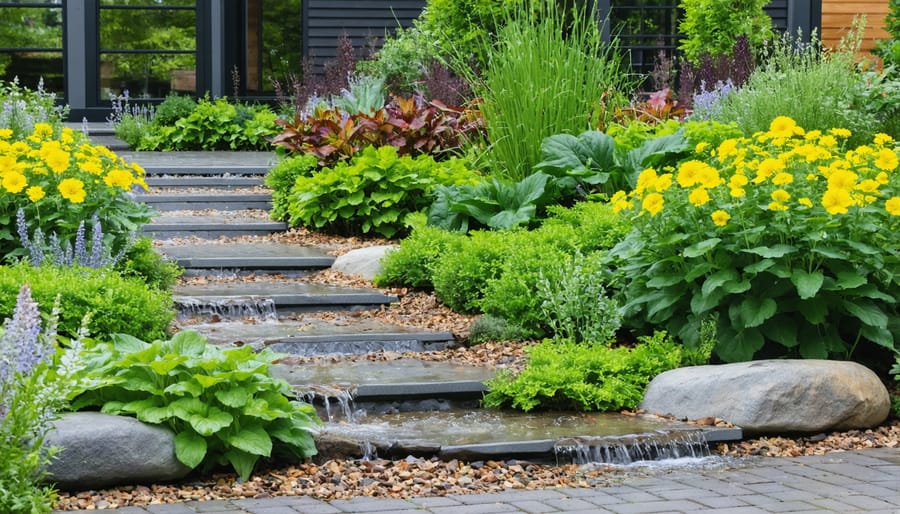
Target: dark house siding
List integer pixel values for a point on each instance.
(778, 11)
(364, 21)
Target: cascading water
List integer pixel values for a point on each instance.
(336, 401)
(623, 450)
(256, 307)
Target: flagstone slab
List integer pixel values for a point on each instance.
(271, 256)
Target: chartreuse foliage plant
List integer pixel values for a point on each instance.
(412, 264)
(789, 237)
(373, 192)
(36, 376)
(561, 374)
(117, 304)
(223, 405)
(711, 27)
(281, 178)
(59, 180)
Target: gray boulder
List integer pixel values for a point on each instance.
(365, 262)
(100, 450)
(774, 396)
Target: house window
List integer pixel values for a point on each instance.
(645, 28)
(32, 46)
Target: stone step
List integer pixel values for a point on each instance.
(110, 141)
(216, 164)
(209, 226)
(197, 201)
(256, 257)
(311, 336)
(194, 181)
(223, 300)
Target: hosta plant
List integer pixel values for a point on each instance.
(223, 405)
(59, 180)
(373, 193)
(788, 237)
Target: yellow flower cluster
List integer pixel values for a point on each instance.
(782, 170)
(48, 166)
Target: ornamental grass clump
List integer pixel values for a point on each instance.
(790, 237)
(35, 379)
(59, 180)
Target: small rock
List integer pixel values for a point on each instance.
(365, 262)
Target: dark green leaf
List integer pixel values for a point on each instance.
(701, 248)
(772, 252)
(782, 329)
(717, 279)
(754, 311)
(251, 439)
(190, 448)
(807, 284)
(242, 462)
(867, 312)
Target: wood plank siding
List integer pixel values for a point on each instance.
(778, 11)
(365, 21)
(837, 16)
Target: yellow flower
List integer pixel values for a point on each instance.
(883, 139)
(14, 182)
(720, 218)
(698, 197)
(840, 132)
(738, 192)
(92, 165)
(836, 201)
(35, 193)
(776, 206)
(663, 182)
(780, 195)
(645, 180)
(726, 148)
(842, 179)
(72, 190)
(887, 159)
(737, 181)
(783, 127)
(618, 196)
(119, 178)
(689, 173)
(892, 206)
(653, 203)
(41, 132)
(5, 133)
(812, 135)
(882, 178)
(621, 205)
(701, 146)
(868, 186)
(828, 141)
(782, 179)
(806, 202)
(56, 158)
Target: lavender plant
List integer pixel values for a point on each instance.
(21, 108)
(89, 254)
(35, 378)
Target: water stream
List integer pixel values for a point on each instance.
(631, 449)
(235, 307)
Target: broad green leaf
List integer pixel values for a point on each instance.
(190, 448)
(872, 291)
(701, 248)
(563, 153)
(234, 396)
(184, 387)
(863, 248)
(754, 311)
(782, 329)
(698, 271)
(251, 439)
(831, 253)
(736, 287)
(880, 336)
(168, 363)
(807, 284)
(701, 303)
(738, 346)
(849, 280)
(149, 410)
(189, 343)
(208, 381)
(669, 297)
(812, 348)
(717, 279)
(867, 312)
(185, 408)
(772, 252)
(125, 343)
(664, 280)
(214, 420)
(242, 462)
(758, 266)
(259, 408)
(815, 310)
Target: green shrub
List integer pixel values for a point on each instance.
(281, 179)
(789, 238)
(400, 62)
(144, 262)
(173, 108)
(585, 227)
(372, 193)
(461, 277)
(562, 375)
(412, 265)
(550, 72)
(117, 304)
(222, 404)
(711, 27)
(487, 328)
(464, 27)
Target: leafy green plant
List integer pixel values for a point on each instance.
(494, 204)
(281, 178)
(412, 264)
(488, 328)
(786, 237)
(588, 377)
(117, 304)
(712, 26)
(400, 62)
(372, 193)
(592, 160)
(36, 376)
(366, 96)
(549, 72)
(173, 108)
(585, 227)
(22, 108)
(222, 404)
(144, 262)
(461, 277)
(464, 27)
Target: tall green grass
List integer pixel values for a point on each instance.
(548, 72)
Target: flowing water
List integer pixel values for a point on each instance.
(256, 307)
(635, 448)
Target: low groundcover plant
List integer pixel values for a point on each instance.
(790, 238)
